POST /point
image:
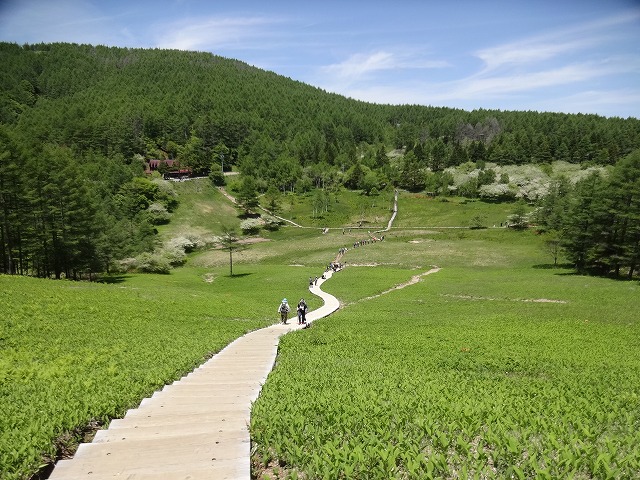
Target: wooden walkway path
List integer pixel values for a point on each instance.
(195, 428)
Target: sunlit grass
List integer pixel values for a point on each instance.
(419, 210)
(490, 371)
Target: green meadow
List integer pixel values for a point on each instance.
(495, 366)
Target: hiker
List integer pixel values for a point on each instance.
(310, 282)
(283, 310)
(302, 312)
(316, 281)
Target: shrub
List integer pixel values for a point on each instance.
(271, 222)
(158, 214)
(176, 256)
(187, 244)
(251, 226)
(497, 192)
(152, 263)
(477, 222)
(217, 177)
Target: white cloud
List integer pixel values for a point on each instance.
(496, 86)
(523, 53)
(358, 66)
(553, 44)
(214, 33)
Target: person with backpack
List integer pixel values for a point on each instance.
(302, 312)
(283, 310)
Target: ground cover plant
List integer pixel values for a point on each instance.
(508, 369)
(75, 353)
(420, 210)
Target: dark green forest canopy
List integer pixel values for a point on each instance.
(78, 124)
(149, 102)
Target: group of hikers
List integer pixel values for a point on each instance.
(284, 310)
(302, 307)
(372, 239)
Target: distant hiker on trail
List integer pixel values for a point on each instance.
(315, 282)
(302, 312)
(283, 310)
(310, 281)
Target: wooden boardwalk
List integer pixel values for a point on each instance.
(196, 427)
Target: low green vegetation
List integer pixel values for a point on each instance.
(498, 365)
(339, 209)
(75, 353)
(420, 210)
(202, 211)
(510, 369)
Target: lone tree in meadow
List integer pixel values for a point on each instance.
(231, 242)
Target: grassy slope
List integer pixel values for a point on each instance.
(202, 210)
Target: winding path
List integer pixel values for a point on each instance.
(196, 427)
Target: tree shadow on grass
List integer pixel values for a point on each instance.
(239, 275)
(247, 215)
(113, 279)
(561, 267)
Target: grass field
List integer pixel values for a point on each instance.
(419, 210)
(496, 366)
(74, 353)
(505, 370)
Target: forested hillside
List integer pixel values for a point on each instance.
(78, 124)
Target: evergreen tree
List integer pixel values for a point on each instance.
(581, 230)
(354, 177)
(411, 176)
(12, 205)
(230, 242)
(620, 247)
(248, 195)
(438, 157)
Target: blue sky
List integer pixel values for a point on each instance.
(562, 56)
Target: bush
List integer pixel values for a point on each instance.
(158, 214)
(251, 226)
(152, 263)
(217, 177)
(271, 223)
(176, 256)
(166, 194)
(186, 244)
(477, 222)
(497, 192)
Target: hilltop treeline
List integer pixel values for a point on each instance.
(79, 122)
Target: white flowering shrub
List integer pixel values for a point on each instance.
(158, 214)
(152, 263)
(271, 222)
(186, 243)
(497, 192)
(251, 225)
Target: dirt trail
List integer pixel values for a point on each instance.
(415, 279)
